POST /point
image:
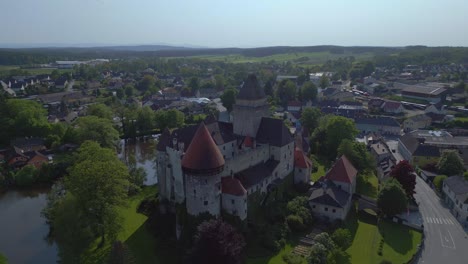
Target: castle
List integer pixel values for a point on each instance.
(215, 166)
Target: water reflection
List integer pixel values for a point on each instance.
(145, 154)
(22, 229)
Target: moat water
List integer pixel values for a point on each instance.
(23, 231)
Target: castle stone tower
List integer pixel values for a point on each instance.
(202, 166)
(250, 107)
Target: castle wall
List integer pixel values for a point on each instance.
(301, 175)
(235, 205)
(285, 155)
(247, 115)
(228, 150)
(174, 176)
(244, 159)
(203, 194)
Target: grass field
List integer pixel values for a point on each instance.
(319, 173)
(277, 258)
(303, 58)
(143, 246)
(400, 242)
(5, 70)
(367, 185)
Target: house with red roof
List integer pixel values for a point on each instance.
(302, 167)
(331, 196)
(392, 107)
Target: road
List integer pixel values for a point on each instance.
(445, 240)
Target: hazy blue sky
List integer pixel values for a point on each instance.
(240, 23)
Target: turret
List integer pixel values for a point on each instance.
(202, 166)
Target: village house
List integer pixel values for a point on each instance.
(416, 122)
(330, 197)
(392, 107)
(381, 125)
(455, 190)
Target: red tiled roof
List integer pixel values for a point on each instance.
(248, 142)
(342, 171)
(202, 155)
(294, 103)
(391, 105)
(233, 186)
(300, 160)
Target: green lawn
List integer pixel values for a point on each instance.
(319, 173)
(143, 246)
(367, 185)
(5, 70)
(400, 242)
(276, 258)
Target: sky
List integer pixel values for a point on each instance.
(234, 23)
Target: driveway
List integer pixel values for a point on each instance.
(445, 240)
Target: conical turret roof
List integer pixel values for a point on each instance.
(202, 157)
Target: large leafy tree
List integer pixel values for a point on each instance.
(331, 132)
(217, 242)
(286, 91)
(228, 98)
(357, 153)
(342, 238)
(100, 110)
(450, 163)
(310, 118)
(308, 91)
(99, 183)
(97, 129)
(22, 118)
(403, 172)
(392, 198)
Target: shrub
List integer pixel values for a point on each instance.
(26, 176)
(342, 238)
(438, 182)
(295, 222)
(292, 258)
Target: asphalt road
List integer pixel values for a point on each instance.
(445, 240)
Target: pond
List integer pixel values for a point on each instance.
(145, 155)
(23, 230)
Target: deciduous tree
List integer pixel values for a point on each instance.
(450, 163)
(310, 118)
(403, 172)
(392, 198)
(308, 91)
(97, 129)
(228, 98)
(217, 242)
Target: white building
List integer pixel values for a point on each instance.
(455, 191)
(331, 196)
(213, 167)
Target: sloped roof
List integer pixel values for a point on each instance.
(251, 89)
(257, 173)
(380, 121)
(233, 186)
(427, 151)
(342, 171)
(301, 160)
(274, 132)
(457, 184)
(410, 142)
(329, 195)
(202, 155)
(391, 105)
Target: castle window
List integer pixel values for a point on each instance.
(333, 210)
(224, 147)
(313, 206)
(232, 201)
(326, 209)
(233, 153)
(194, 192)
(205, 203)
(232, 144)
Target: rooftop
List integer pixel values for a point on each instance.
(342, 171)
(251, 89)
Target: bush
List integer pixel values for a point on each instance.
(295, 223)
(292, 258)
(342, 238)
(26, 176)
(438, 182)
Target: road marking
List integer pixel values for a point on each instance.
(443, 220)
(436, 220)
(450, 221)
